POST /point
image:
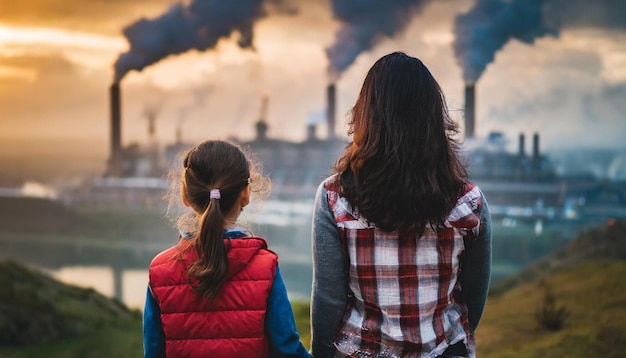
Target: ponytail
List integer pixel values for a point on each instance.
(211, 267)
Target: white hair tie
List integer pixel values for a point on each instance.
(215, 194)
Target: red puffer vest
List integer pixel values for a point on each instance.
(230, 325)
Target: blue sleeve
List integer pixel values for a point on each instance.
(329, 295)
(280, 323)
(153, 336)
(476, 269)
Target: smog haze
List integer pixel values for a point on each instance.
(565, 77)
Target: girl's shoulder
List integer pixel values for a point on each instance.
(166, 256)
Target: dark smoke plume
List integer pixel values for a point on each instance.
(487, 27)
(490, 24)
(364, 23)
(605, 14)
(198, 25)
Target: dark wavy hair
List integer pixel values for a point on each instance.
(212, 165)
(401, 171)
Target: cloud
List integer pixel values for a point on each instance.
(94, 16)
(608, 14)
(526, 88)
(59, 101)
(90, 50)
(566, 100)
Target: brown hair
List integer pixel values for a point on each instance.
(401, 171)
(213, 165)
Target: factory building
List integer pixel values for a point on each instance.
(521, 184)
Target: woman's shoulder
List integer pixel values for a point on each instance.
(470, 192)
(331, 182)
(465, 213)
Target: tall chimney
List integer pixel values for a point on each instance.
(521, 158)
(310, 132)
(536, 147)
(179, 134)
(261, 130)
(261, 125)
(115, 158)
(330, 114)
(470, 109)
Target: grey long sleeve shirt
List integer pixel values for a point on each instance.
(330, 276)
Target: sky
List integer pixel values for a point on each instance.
(565, 79)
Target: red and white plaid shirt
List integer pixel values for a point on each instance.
(405, 298)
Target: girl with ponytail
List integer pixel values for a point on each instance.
(219, 291)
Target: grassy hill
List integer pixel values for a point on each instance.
(594, 293)
(587, 277)
(606, 242)
(42, 317)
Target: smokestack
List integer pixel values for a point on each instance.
(115, 158)
(536, 147)
(330, 114)
(179, 135)
(261, 125)
(261, 130)
(310, 132)
(470, 109)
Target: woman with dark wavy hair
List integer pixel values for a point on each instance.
(401, 238)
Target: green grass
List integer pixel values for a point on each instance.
(594, 293)
(42, 317)
(117, 340)
(596, 243)
(121, 340)
(303, 321)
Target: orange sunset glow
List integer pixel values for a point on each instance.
(114, 168)
(57, 57)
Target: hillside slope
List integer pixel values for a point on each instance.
(593, 292)
(599, 243)
(40, 316)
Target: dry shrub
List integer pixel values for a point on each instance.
(550, 315)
